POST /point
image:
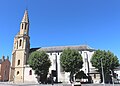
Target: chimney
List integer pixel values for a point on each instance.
(3, 58)
(7, 57)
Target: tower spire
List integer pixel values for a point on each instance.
(24, 26)
(25, 17)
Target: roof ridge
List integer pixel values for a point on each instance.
(67, 46)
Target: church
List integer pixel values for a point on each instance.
(20, 71)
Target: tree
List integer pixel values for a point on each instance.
(109, 61)
(40, 63)
(71, 61)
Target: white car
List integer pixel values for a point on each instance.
(77, 82)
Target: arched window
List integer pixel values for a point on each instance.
(17, 44)
(20, 42)
(17, 72)
(30, 72)
(22, 25)
(25, 26)
(18, 62)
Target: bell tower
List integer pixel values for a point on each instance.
(20, 51)
(24, 26)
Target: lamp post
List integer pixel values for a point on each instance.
(102, 73)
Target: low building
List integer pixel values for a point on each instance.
(117, 71)
(4, 69)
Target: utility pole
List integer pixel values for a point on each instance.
(102, 73)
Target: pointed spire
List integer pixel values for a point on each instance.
(25, 17)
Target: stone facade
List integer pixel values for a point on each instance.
(21, 72)
(20, 51)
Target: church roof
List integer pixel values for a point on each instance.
(33, 49)
(61, 48)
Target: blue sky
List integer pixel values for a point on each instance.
(95, 23)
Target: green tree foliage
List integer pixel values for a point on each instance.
(71, 61)
(109, 61)
(40, 63)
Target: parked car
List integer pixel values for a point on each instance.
(77, 82)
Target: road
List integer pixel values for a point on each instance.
(11, 84)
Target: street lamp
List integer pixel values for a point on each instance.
(102, 73)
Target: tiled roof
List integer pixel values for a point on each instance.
(61, 48)
(33, 49)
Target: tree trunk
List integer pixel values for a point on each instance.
(71, 77)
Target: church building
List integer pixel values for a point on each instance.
(22, 73)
